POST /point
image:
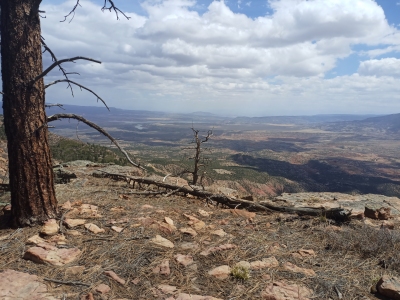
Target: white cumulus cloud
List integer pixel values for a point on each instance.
(218, 59)
(380, 67)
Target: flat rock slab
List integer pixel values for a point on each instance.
(356, 203)
(389, 287)
(50, 227)
(280, 290)
(221, 272)
(162, 268)
(16, 285)
(160, 241)
(94, 228)
(183, 296)
(71, 223)
(45, 253)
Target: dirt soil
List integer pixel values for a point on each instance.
(348, 259)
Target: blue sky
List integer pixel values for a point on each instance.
(276, 57)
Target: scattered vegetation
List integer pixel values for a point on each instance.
(68, 150)
(240, 272)
(368, 242)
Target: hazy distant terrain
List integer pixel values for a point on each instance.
(264, 156)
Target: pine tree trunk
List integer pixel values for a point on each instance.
(31, 175)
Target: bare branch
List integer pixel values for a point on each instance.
(55, 104)
(94, 126)
(59, 62)
(105, 7)
(80, 86)
(72, 12)
(54, 58)
(2, 93)
(114, 8)
(67, 282)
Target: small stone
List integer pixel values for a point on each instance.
(387, 225)
(67, 205)
(333, 228)
(164, 228)
(204, 213)
(266, 277)
(389, 286)
(71, 223)
(184, 260)
(117, 229)
(94, 228)
(45, 253)
(167, 289)
(199, 225)
(147, 206)
(221, 272)
(162, 268)
(75, 270)
(188, 230)
(72, 213)
(293, 268)
(58, 239)
(89, 210)
(303, 253)
(376, 212)
(195, 222)
(50, 227)
(36, 239)
(117, 209)
(188, 246)
(160, 241)
(114, 276)
(102, 289)
(269, 262)
(73, 232)
(169, 221)
(136, 281)
(219, 232)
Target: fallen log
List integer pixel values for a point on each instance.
(339, 214)
(192, 190)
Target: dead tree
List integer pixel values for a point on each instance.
(33, 196)
(199, 160)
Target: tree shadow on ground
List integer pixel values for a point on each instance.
(320, 176)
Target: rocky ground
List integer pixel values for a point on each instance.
(112, 242)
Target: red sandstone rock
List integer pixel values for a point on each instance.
(45, 253)
(280, 290)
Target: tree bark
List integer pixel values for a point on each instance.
(33, 197)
